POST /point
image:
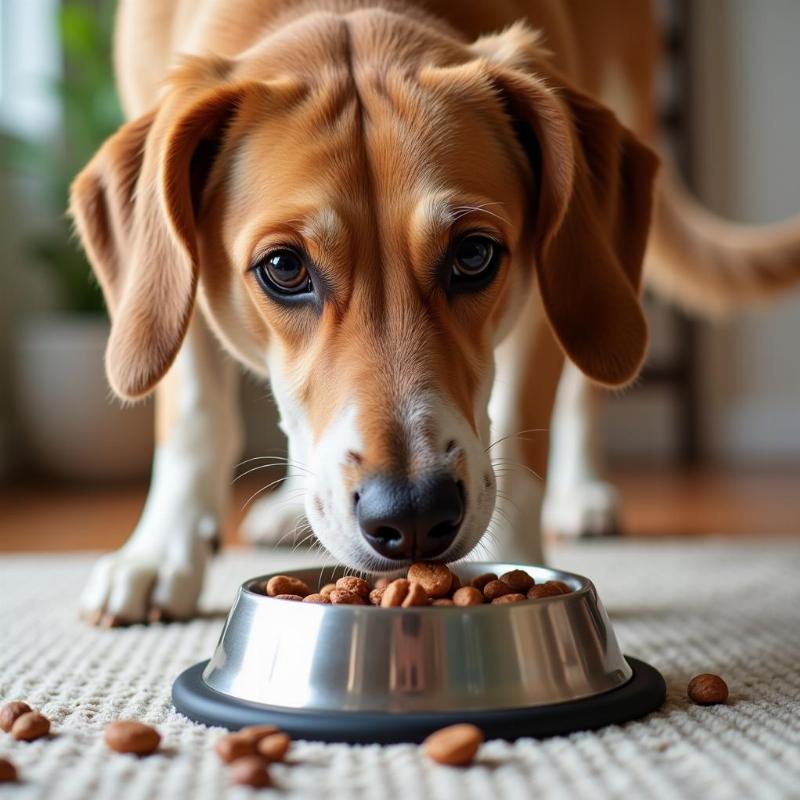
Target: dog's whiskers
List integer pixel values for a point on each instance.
(292, 532)
(508, 464)
(276, 459)
(326, 558)
(262, 490)
(266, 466)
(309, 534)
(506, 499)
(461, 211)
(503, 515)
(518, 434)
(482, 549)
(297, 530)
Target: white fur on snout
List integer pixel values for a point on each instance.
(329, 501)
(428, 423)
(444, 423)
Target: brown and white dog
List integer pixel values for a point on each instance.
(403, 213)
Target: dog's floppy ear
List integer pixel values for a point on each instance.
(135, 207)
(595, 182)
(593, 203)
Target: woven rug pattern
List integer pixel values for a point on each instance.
(728, 607)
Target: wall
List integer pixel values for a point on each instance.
(29, 58)
(747, 166)
(745, 145)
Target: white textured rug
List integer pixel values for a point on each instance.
(714, 606)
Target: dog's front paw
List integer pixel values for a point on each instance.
(587, 509)
(157, 575)
(277, 518)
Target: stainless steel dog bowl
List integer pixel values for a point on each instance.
(360, 673)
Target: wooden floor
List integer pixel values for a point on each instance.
(656, 503)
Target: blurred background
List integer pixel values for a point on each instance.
(707, 443)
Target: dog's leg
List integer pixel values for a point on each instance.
(578, 502)
(159, 571)
(528, 363)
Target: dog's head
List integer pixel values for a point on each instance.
(363, 201)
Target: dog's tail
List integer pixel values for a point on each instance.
(712, 266)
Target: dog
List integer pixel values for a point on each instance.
(406, 215)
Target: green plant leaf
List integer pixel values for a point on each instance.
(90, 112)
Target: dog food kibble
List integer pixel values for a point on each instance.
(468, 596)
(255, 733)
(12, 711)
(350, 583)
(425, 584)
(541, 590)
(514, 597)
(417, 596)
(376, 595)
(317, 597)
(342, 597)
(482, 580)
(8, 772)
(707, 689)
(517, 580)
(250, 771)
(435, 579)
(274, 747)
(129, 736)
(283, 584)
(234, 746)
(395, 593)
(495, 589)
(455, 746)
(31, 725)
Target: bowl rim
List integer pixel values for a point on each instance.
(585, 586)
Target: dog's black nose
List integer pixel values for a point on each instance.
(410, 521)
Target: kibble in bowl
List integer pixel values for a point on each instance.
(425, 584)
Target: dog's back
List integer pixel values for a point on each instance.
(588, 40)
(150, 34)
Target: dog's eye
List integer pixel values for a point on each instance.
(475, 259)
(473, 255)
(284, 272)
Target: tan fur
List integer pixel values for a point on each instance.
(134, 209)
(360, 131)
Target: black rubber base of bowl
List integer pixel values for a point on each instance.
(644, 692)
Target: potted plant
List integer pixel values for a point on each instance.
(73, 428)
